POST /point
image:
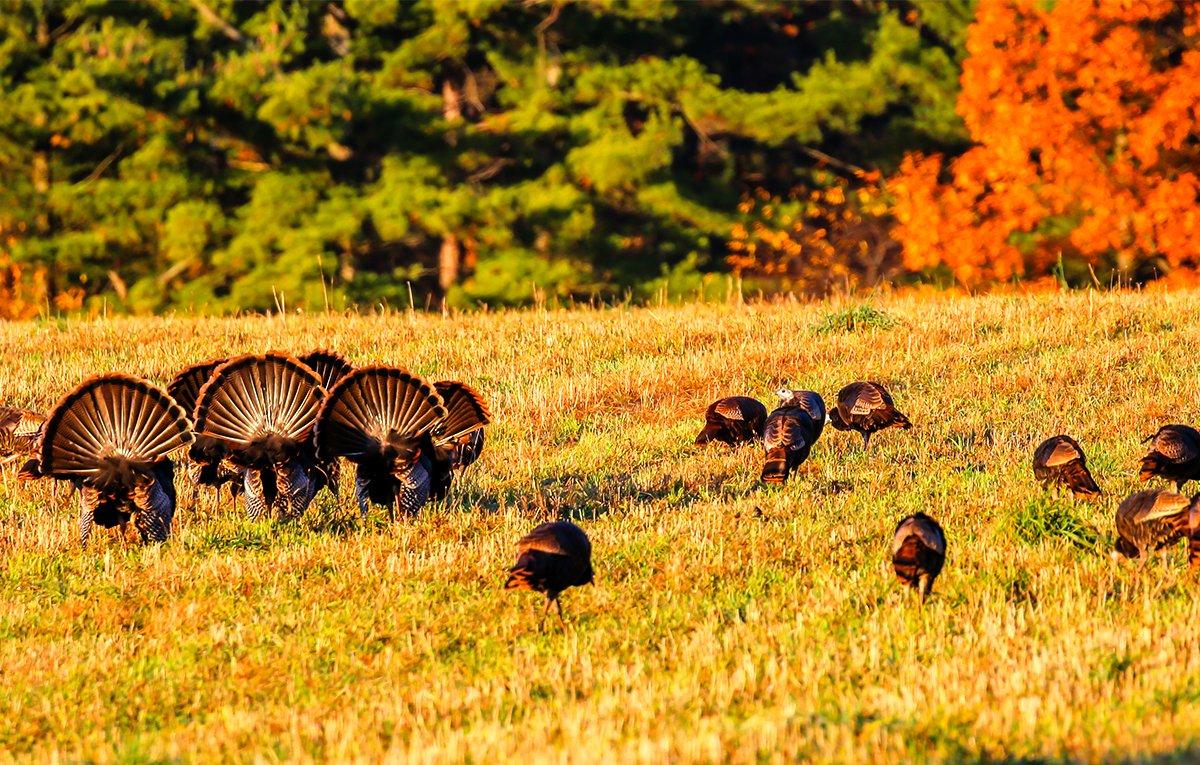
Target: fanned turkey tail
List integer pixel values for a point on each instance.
(111, 436)
(458, 439)
(261, 411)
(383, 419)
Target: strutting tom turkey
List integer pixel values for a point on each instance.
(262, 410)
(382, 419)
(112, 437)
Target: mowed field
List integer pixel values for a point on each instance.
(729, 620)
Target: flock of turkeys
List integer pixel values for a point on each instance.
(274, 428)
(1146, 521)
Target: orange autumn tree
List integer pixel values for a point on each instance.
(1084, 115)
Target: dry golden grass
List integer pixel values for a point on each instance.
(713, 632)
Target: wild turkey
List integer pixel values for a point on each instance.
(330, 365)
(551, 558)
(382, 419)
(1060, 461)
(458, 439)
(734, 420)
(20, 438)
(1151, 520)
(206, 464)
(788, 437)
(918, 552)
(865, 408)
(261, 410)
(811, 402)
(111, 438)
(1174, 455)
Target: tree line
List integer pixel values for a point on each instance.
(224, 156)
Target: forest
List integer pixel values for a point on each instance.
(219, 156)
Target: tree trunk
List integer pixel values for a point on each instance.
(449, 262)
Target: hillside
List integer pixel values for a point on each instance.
(727, 619)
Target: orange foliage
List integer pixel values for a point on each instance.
(1085, 117)
(23, 292)
(816, 239)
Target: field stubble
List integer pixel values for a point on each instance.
(728, 621)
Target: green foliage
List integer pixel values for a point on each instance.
(1043, 518)
(854, 319)
(219, 155)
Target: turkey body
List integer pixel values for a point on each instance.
(1174, 455)
(733, 420)
(918, 552)
(1147, 521)
(550, 559)
(866, 408)
(1060, 461)
(788, 438)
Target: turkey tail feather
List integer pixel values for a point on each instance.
(185, 387)
(110, 422)
(330, 365)
(254, 405)
(465, 411)
(776, 468)
(374, 406)
(900, 420)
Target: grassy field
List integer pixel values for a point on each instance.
(729, 621)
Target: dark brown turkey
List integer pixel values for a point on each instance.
(261, 409)
(1060, 461)
(1174, 455)
(866, 408)
(331, 366)
(1148, 521)
(206, 463)
(382, 419)
(918, 552)
(20, 439)
(458, 439)
(551, 558)
(790, 432)
(111, 438)
(733, 420)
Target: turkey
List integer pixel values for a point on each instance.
(1174, 455)
(458, 439)
(20, 438)
(1060, 461)
(330, 365)
(382, 419)
(1152, 520)
(788, 437)
(812, 404)
(111, 438)
(261, 411)
(551, 558)
(918, 552)
(206, 463)
(734, 420)
(865, 408)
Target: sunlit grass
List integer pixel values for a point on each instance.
(728, 620)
